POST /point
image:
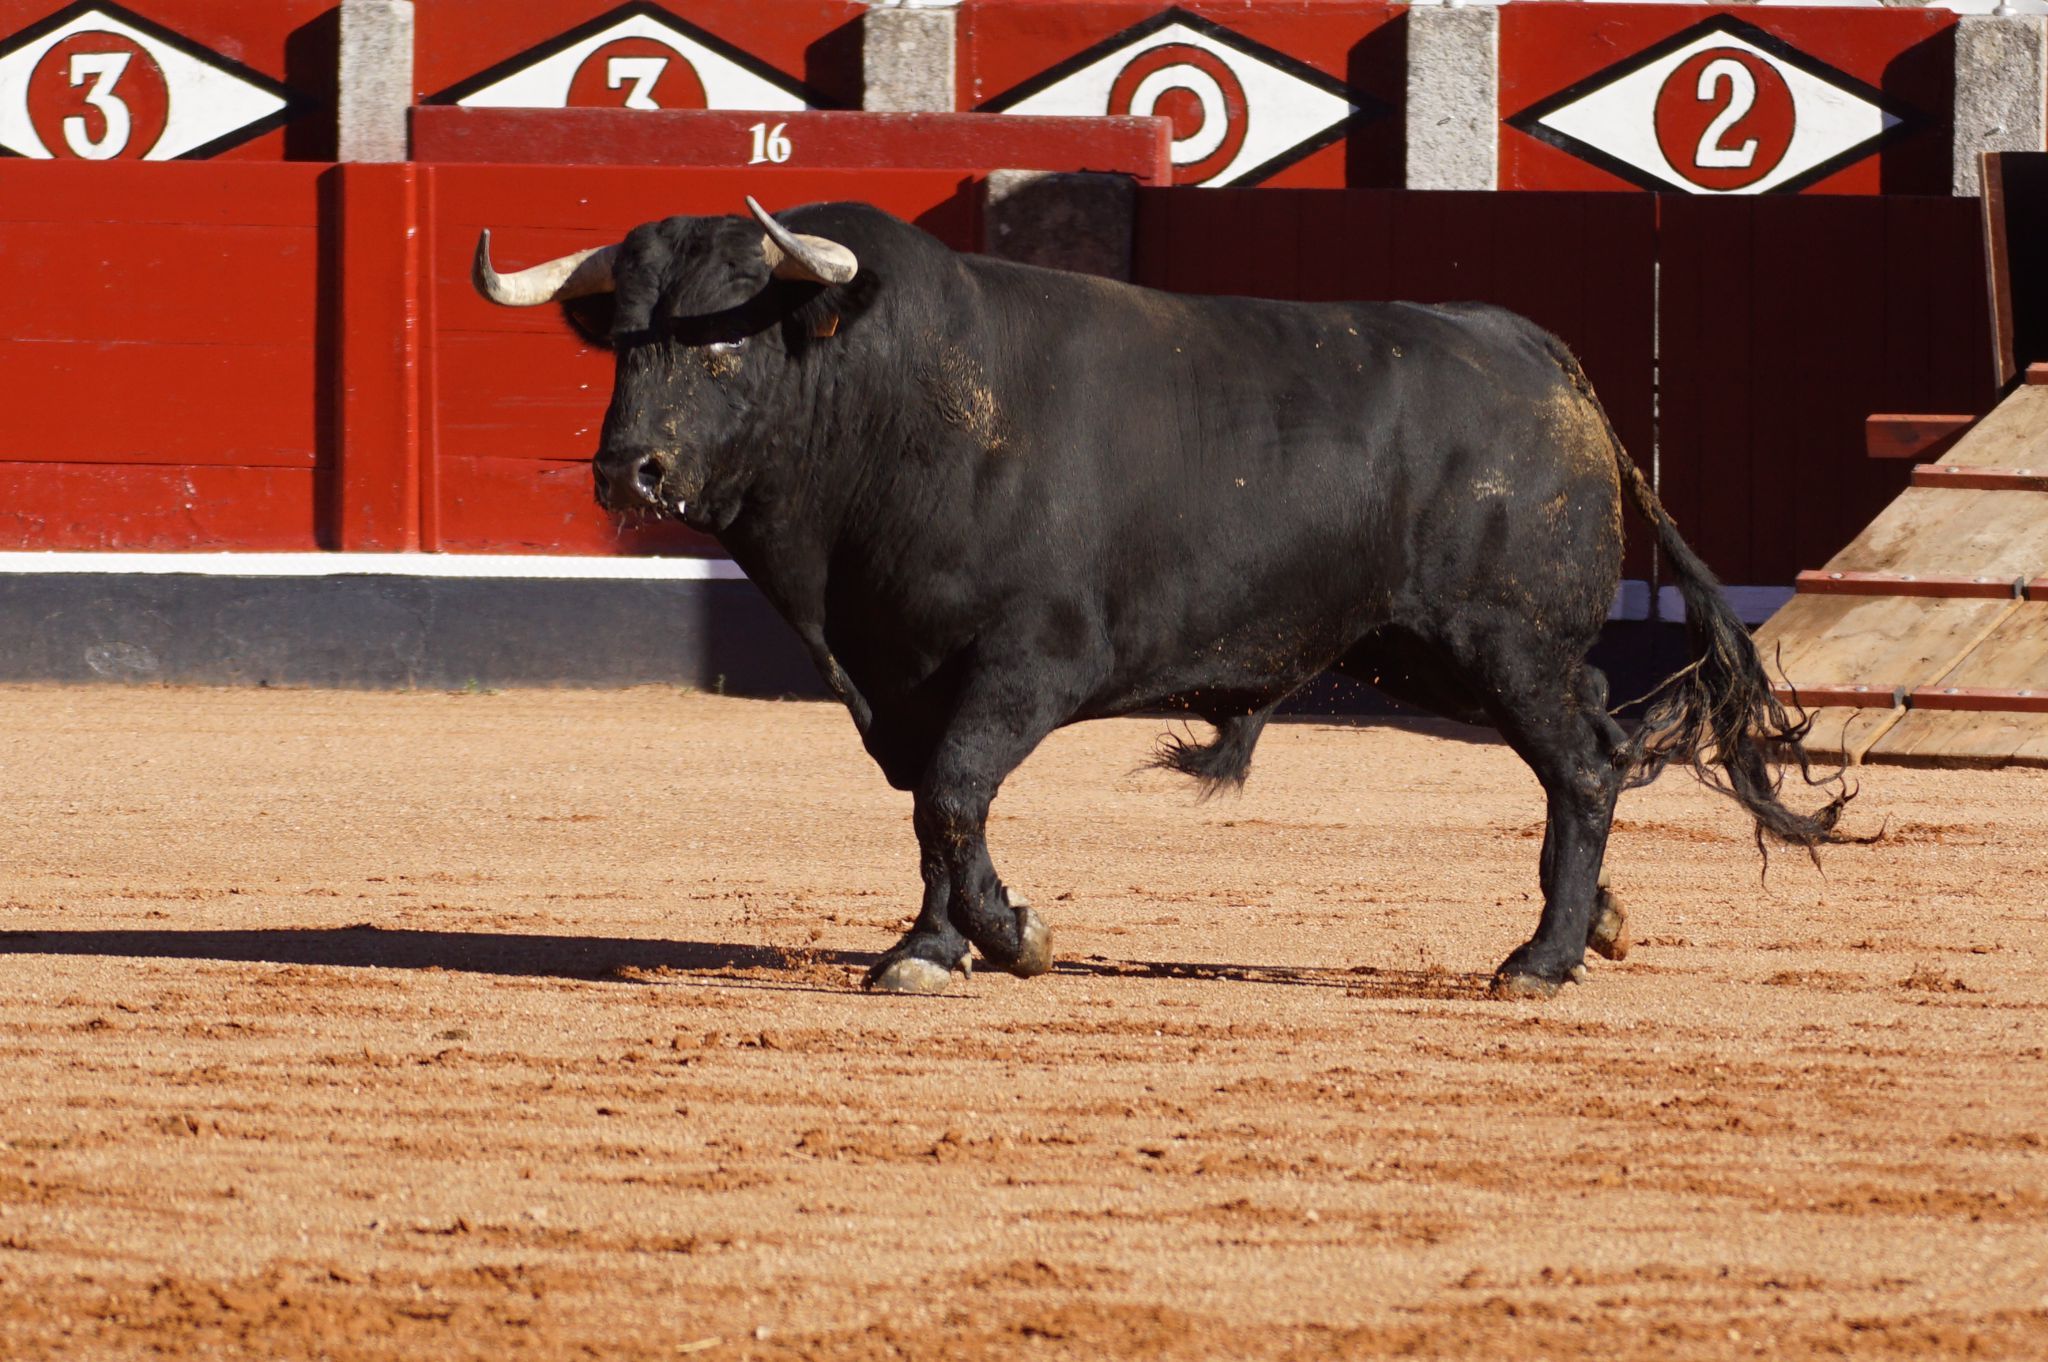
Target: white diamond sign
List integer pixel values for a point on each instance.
(1241, 112)
(95, 82)
(1722, 108)
(635, 57)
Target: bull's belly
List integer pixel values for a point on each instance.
(1216, 672)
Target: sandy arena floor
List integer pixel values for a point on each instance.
(525, 1026)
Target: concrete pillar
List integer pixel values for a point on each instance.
(907, 59)
(1078, 222)
(376, 80)
(1453, 97)
(2001, 101)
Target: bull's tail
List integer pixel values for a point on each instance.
(1719, 711)
(1224, 761)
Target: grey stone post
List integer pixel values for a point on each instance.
(376, 79)
(1453, 97)
(1079, 222)
(907, 59)
(2001, 100)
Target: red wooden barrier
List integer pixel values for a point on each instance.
(163, 355)
(1783, 322)
(1714, 101)
(726, 54)
(1289, 95)
(167, 80)
(796, 141)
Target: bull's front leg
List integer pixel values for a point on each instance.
(994, 729)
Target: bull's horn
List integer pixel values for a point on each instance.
(792, 255)
(572, 276)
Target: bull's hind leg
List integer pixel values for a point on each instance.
(1001, 716)
(1608, 935)
(1565, 742)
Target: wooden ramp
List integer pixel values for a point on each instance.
(1926, 640)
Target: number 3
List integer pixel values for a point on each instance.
(103, 69)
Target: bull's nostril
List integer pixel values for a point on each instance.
(647, 477)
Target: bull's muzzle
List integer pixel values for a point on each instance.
(636, 479)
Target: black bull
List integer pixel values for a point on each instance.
(993, 500)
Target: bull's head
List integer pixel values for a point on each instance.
(705, 317)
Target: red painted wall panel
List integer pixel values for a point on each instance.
(1290, 93)
(1783, 323)
(813, 46)
(1691, 99)
(165, 361)
(97, 507)
(270, 96)
(520, 506)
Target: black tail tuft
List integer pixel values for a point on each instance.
(1720, 712)
(1225, 760)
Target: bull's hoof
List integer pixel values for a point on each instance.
(909, 974)
(1034, 943)
(1610, 938)
(1517, 988)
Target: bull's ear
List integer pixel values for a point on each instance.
(591, 318)
(829, 312)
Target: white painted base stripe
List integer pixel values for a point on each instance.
(1631, 600)
(461, 565)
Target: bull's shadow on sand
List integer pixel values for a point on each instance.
(644, 960)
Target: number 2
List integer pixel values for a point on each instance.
(102, 69)
(1711, 155)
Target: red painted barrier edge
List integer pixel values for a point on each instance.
(1978, 479)
(1909, 436)
(1980, 699)
(1820, 582)
(1831, 696)
(817, 140)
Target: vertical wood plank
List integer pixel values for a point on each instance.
(377, 444)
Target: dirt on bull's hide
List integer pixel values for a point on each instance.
(382, 1027)
(960, 393)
